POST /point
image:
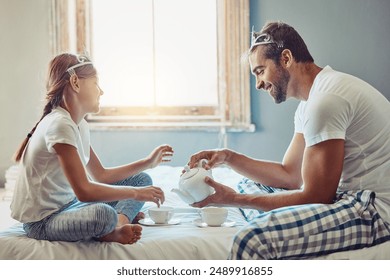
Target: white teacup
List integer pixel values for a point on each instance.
(161, 215)
(214, 216)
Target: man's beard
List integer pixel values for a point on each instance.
(280, 85)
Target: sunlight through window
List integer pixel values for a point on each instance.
(162, 63)
(156, 52)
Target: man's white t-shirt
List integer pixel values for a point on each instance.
(341, 106)
(42, 187)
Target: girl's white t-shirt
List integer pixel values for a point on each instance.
(42, 187)
(341, 106)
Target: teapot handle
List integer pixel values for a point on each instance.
(202, 162)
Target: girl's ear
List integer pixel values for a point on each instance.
(74, 83)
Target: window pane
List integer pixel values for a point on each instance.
(186, 52)
(182, 58)
(122, 51)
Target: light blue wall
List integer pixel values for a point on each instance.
(350, 35)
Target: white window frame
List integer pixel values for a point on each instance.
(233, 113)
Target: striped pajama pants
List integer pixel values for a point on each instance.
(305, 231)
(85, 221)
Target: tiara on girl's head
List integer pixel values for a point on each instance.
(82, 60)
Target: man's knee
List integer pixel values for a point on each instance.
(253, 242)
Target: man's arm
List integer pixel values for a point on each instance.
(286, 174)
(321, 170)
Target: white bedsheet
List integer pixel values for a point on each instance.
(183, 241)
(176, 242)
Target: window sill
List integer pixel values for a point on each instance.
(171, 126)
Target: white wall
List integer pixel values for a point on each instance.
(24, 54)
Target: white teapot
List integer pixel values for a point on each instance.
(192, 187)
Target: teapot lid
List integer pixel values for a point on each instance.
(190, 173)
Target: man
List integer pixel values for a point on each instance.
(331, 192)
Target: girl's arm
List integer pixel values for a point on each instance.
(87, 190)
(115, 174)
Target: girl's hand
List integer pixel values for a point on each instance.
(151, 193)
(160, 154)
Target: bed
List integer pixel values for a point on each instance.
(187, 240)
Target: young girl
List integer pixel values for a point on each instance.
(63, 192)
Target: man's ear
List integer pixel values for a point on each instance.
(74, 83)
(286, 58)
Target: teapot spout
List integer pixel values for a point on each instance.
(186, 197)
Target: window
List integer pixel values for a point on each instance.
(162, 63)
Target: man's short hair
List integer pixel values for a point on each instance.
(284, 37)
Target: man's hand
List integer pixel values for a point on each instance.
(223, 195)
(214, 158)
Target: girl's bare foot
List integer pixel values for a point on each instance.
(126, 234)
(123, 220)
(138, 217)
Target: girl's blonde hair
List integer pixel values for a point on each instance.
(58, 78)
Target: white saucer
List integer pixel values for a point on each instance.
(199, 223)
(149, 222)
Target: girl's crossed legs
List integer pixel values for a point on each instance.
(109, 222)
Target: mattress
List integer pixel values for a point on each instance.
(186, 240)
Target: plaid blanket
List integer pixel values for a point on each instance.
(303, 231)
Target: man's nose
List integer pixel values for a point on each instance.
(259, 84)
